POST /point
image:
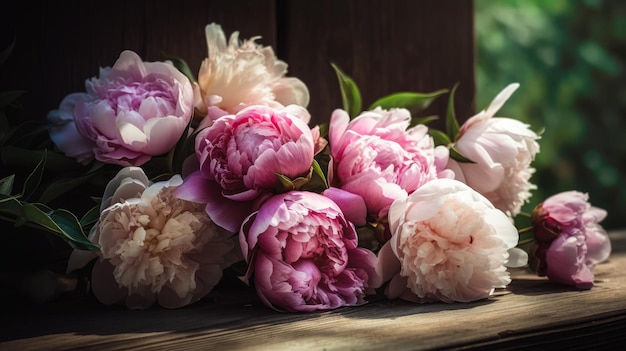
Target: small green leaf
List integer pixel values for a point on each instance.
(452, 125)
(6, 184)
(59, 222)
(457, 156)
(439, 137)
(350, 95)
(182, 66)
(283, 184)
(412, 101)
(34, 178)
(423, 120)
(319, 172)
(90, 217)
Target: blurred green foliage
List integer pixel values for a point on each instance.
(569, 57)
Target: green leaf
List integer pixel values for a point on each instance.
(439, 137)
(284, 184)
(59, 222)
(6, 184)
(182, 66)
(423, 120)
(452, 125)
(61, 186)
(412, 101)
(457, 156)
(319, 172)
(34, 178)
(90, 217)
(350, 95)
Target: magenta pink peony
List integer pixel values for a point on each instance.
(155, 248)
(238, 73)
(379, 157)
(241, 155)
(133, 111)
(448, 243)
(570, 242)
(502, 150)
(303, 255)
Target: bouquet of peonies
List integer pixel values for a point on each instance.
(223, 170)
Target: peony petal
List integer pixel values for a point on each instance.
(352, 205)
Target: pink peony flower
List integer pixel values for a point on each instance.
(130, 113)
(303, 254)
(569, 239)
(502, 149)
(377, 156)
(238, 74)
(240, 156)
(448, 244)
(155, 248)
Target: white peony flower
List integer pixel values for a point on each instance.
(154, 246)
(448, 244)
(502, 149)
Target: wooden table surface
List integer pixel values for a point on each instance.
(530, 313)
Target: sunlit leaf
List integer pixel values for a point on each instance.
(319, 172)
(423, 120)
(412, 101)
(439, 137)
(350, 95)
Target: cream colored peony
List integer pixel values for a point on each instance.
(156, 248)
(238, 74)
(448, 244)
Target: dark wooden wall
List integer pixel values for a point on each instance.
(385, 45)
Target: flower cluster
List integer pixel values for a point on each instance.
(224, 168)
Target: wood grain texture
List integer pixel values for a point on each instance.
(402, 45)
(531, 312)
(385, 46)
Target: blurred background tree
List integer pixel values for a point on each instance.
(569, 58)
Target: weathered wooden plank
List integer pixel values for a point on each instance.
(60, 44)
(531, 311)
(386, 47)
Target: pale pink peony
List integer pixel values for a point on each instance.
(133, 111)
(379, 157)
(240, 156)
(155, 248)
(502, 150)
(242, 73)
(569, 239)
(448, 244)
(303, 255)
